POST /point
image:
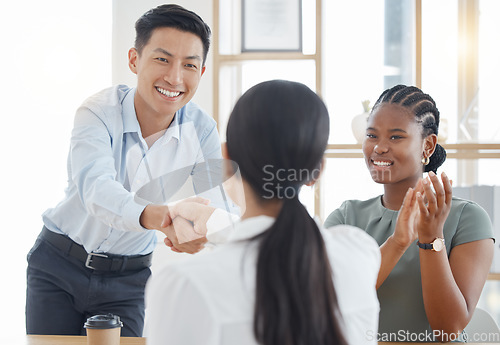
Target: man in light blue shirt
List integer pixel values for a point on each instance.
(94, 252)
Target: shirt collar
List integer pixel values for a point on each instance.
(131, 124)
(173, 131)
(251, 227)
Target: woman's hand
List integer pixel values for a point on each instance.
(405, 232)
(195, 210)
(404, 235)
(185, 225)
(181, 237)
(434, 207)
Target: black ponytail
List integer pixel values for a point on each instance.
(295, 298)
(277, 134)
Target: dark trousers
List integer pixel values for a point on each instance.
(62, 293)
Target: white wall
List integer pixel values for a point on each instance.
(125, 14)
(54, 57)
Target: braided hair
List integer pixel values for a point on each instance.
(426, 114)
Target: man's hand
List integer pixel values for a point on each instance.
(185, 225)
(154, 217)
(196, 211)
(182, 238)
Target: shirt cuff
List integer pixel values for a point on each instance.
(132, 214)
(220, 225)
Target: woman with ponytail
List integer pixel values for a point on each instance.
(436, 249)
(281, 278)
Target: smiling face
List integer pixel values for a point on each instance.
(393, 146)
(169, 69)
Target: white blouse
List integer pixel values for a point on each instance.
(209, 298)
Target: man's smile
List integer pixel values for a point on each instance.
(168, 93)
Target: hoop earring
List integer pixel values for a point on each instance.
(426, 160)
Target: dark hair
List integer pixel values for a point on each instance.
(426, 113)
(173, 16)
(276, 130)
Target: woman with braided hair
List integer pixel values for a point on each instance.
(436, 249)
(281, 278)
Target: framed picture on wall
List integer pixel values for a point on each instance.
(271, 25)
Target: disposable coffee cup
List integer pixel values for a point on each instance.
(103, 330)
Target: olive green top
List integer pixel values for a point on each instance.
(401, 301)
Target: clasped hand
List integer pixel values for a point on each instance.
(185, 225)
(424, 211)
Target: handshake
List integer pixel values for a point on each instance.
(191, 223)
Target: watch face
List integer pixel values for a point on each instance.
(438, 244)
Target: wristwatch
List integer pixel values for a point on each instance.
(436, 245)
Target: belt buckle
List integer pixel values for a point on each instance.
(88, 262)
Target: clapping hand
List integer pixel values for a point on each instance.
(434, 206)
(405, 232)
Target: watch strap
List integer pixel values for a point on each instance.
(425, 245)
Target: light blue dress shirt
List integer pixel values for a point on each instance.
(109, 161)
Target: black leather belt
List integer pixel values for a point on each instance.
(96, 261)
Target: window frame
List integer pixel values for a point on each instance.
(467, 154)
